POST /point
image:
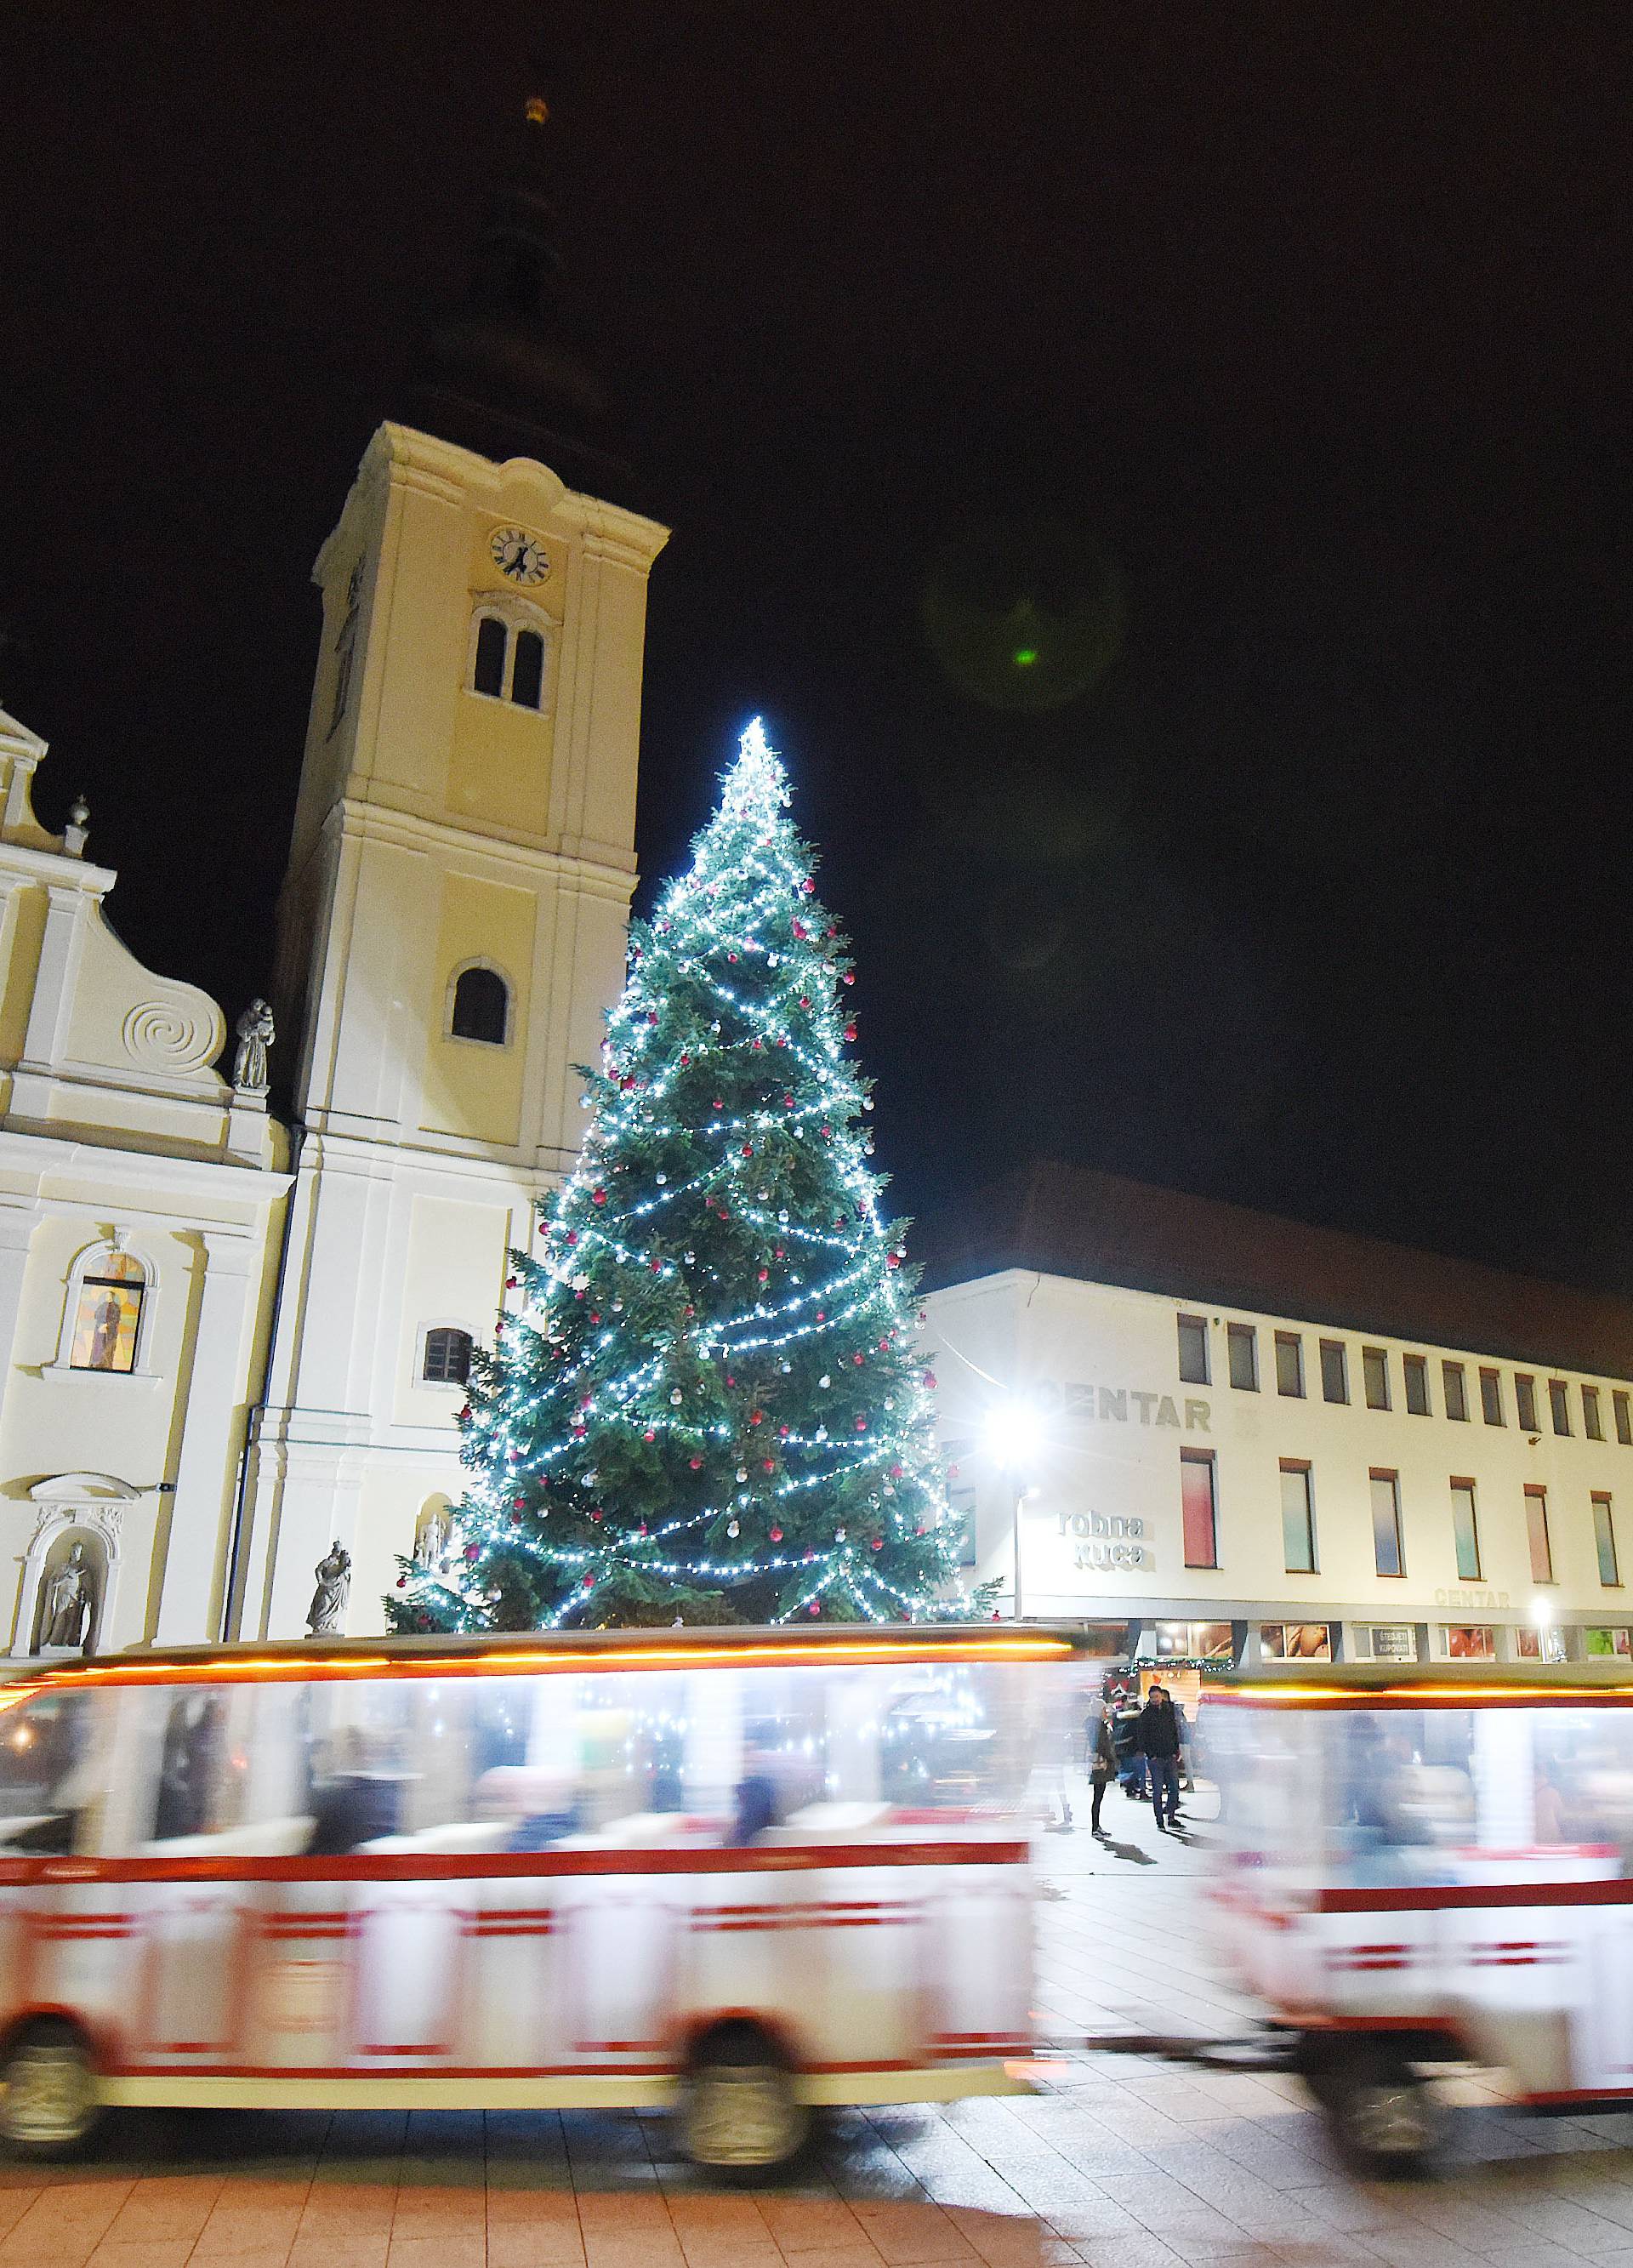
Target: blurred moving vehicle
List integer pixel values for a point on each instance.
(1419, 1870)
(736, 1871)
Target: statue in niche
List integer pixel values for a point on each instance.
(328, 1601)
(70, 1598)
(256, 1033)
(433, 1538)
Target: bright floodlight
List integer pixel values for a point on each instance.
(1543, 1613)
(1014, 1433)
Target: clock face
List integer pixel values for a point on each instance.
(519, 556)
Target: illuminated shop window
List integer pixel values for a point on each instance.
(107, 1318)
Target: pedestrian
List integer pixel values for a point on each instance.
(1157, 1736)
(1103, 1765)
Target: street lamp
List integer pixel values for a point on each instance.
(1014, 1436)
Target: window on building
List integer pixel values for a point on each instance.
(493, 645)
(1526, 1402)
(1334, 1371)
(1243, 1342)
(1198, 1508)
(1559, 1405)
(507, 661)
(447, 1357)
(1624, 1417)
(482, 1007)
(1193, 1350)
(1298, 1519)
(1464, 1531)
(1491, 1397)
(1537, 1535)
(1605, 1544)
(1386, 1556)
(1289, 1363)
(1416, 1367)
(1375, 1377)
(1592, 1422)
(1454, 1388)
(107, 1316)
(527, 673)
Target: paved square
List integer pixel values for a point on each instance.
(1114, 2162)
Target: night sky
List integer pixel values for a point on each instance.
(1260, 371)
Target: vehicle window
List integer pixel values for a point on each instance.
(52, 1775)
(1401, 1786)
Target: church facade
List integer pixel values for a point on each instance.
(229, 1346)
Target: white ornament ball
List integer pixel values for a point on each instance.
(734, 1527)
(677, 1398)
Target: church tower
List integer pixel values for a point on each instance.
(452, 926)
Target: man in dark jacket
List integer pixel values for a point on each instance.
(1159, 1736)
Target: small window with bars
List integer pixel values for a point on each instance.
(447, 1357)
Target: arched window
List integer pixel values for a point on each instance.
(527, 673)
(492, 643)
(508, 653)
(107, 1313)
(481, 1007)
(447, 1357)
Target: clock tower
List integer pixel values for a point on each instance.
(451, 926)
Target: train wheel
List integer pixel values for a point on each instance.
(741, 2115)
(47, 2093)
(1382, 2116)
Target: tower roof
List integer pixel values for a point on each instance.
(500, 372)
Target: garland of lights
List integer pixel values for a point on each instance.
(725, 1112)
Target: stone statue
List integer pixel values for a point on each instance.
(328, 1601)
(435, 1540)
(68, 1601)
(255, 1036)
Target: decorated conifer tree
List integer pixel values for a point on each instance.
(705, 1403)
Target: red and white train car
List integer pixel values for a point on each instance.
(1420, 1870)
(736, 1873)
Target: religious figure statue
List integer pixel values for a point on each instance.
(255, 1036)
(435, 1538)
(328, 1601)
(68, 1601)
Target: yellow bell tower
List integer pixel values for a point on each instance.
(451, 927)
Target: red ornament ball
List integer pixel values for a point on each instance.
(598, 1196)
(402, 1582)
(770, 1464)
(696, 1464)
(511, 1283)
(850, 977)
(776, 1535)
(850, 1031)
(877, 1544)
(473, 1551)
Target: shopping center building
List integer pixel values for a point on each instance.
(1216, 1434)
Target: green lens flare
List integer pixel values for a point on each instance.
(1024, 656)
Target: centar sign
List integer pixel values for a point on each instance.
(1085, 1404)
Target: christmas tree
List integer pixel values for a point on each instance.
(705, 1403)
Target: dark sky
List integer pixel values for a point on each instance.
(1274, 353)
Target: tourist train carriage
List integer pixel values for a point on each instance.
(742, 1872)
(1419, 1869)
